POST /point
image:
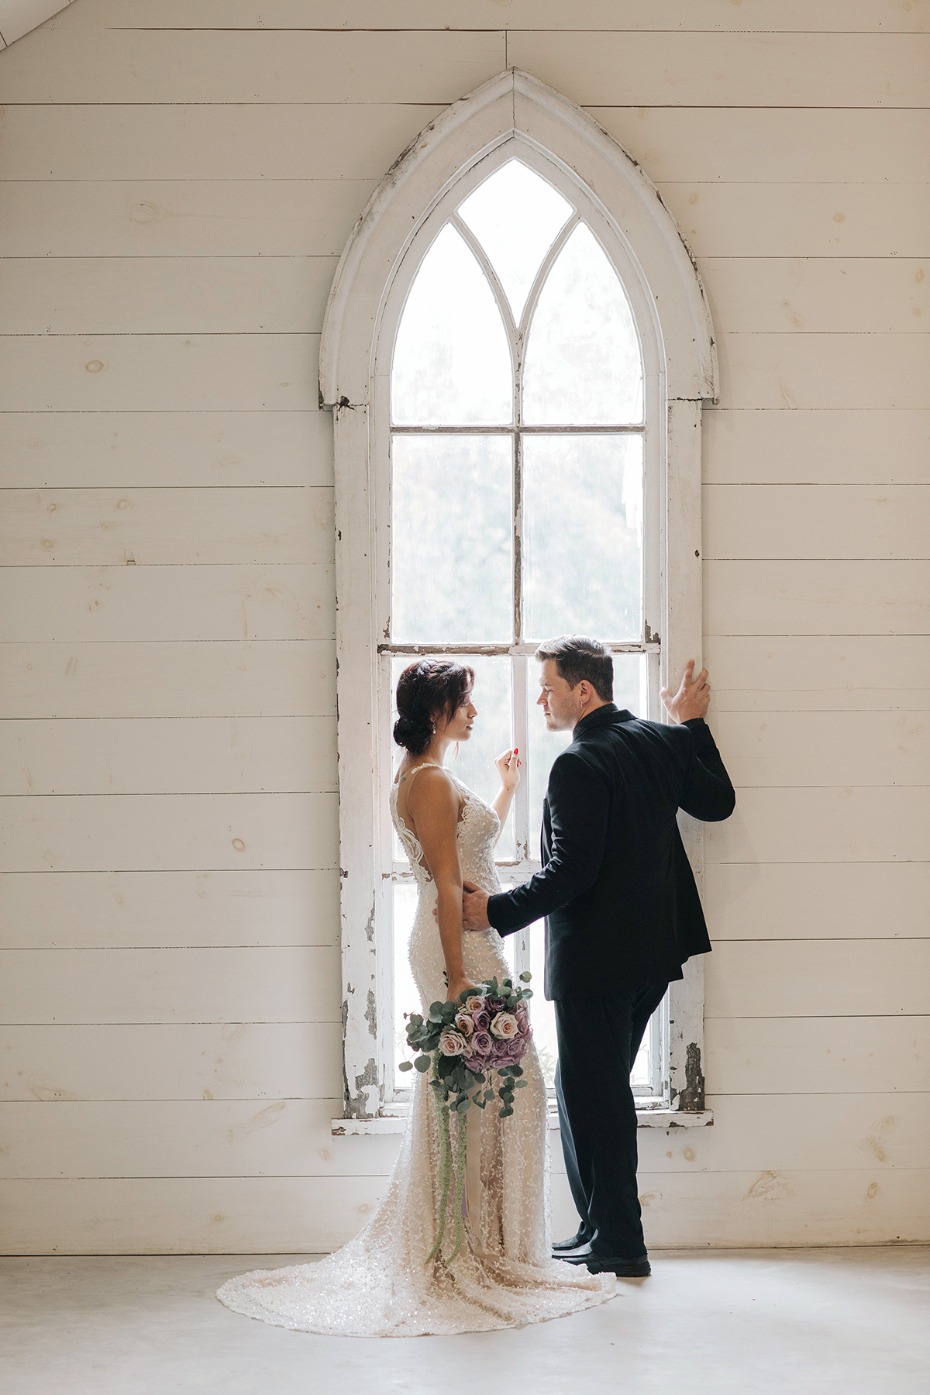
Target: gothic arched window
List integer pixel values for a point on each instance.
(501, 373)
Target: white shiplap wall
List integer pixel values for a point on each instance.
(180, 177)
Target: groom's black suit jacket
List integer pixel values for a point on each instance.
(616, 886)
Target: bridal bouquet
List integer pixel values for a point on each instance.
(464, 1044)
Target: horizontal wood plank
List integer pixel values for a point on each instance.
(829, 673)
(833, 900)
(859, 446)
(119, 910)
(704, 145)
(772, 749)
(818, 294)
(764, 1057)
(727, 70)
(110, 527)
(150, 833)
(284, 983)
(168, 142)
(823, 825)
(761, 1057)
(164, 295)
(835, 371)
(816, 598)
(172, 1061)
(822, 221)
(271, 1216)
(131, 217)
(831, 978)
(231, 678)
(775, 16)
(70, 604)
(160, 372)
(810, 522)
(223, 65)
(184, 755)
(144, 450)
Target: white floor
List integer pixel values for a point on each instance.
(748, 1322)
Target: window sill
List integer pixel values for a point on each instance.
(645, 1118)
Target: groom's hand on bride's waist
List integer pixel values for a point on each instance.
(474, 908)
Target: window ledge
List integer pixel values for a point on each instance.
(645, 1118)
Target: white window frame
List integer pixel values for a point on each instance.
(516, 112)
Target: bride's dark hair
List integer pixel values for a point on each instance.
(425, 690)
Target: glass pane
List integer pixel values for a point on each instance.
(583, 361)
(493, 733)
(451, 358)
(515, 214)
(452, 539)
(406, 997)
(582, 536)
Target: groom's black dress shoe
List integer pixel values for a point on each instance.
(575, 1243)
(636, 1268)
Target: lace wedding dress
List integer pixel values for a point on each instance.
(380, 1284)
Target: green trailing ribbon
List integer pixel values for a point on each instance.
(447, 1169)
(445, 1173)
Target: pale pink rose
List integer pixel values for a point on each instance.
(474, 1003)
(481, 1044)
(464, 1023)
(505, 1026)
(452, 1043)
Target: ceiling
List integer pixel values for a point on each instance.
(18, 17)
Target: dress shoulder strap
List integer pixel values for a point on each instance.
(410, 775)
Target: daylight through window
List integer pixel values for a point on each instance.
(521, 503)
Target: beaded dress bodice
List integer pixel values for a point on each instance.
(380, 1283)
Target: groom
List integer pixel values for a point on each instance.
(622, 916)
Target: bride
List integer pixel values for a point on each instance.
(381, 1283)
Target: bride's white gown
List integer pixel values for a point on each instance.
(379, 1284)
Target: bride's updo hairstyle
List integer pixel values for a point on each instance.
(426, 690)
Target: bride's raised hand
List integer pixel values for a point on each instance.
(508, 768)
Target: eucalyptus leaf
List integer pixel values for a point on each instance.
(423, 1063)
(405, 1065)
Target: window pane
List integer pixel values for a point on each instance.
(451, 358)
(493, 732)
(583, 361)
(452, 539)
(582, 536)
(515, 214)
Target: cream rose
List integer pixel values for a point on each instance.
(464, 1023)
(504, 1026)
(452, 1043)
(475, 1003)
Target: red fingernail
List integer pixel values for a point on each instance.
(516, 750)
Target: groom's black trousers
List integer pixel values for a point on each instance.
(599, 1037)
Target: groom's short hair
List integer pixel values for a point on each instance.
(577, 657)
